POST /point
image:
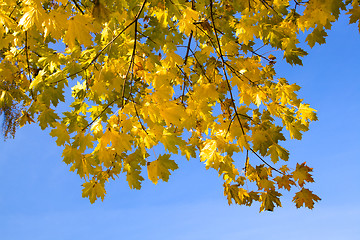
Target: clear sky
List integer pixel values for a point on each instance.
(41, 199)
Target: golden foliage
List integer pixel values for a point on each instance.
(182, 74)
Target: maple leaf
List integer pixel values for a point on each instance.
(47, 118)
(105, 154)
(159, 169)
(97, 128)
(71, 154)
(93, 190)
(355, 15)
(293, 56)
(284, 168)
(132, 166)
(133, 176)
(233, 192)
(269, 199)
(305, 197)
(317, 36)
(25, 118)
(83, 141)
(172, 113)
(284, 182)
(265, 184)
(82, 166)
(302, 174)
(33, 15)
(210, 154)
(79, 29)
(171, 140)
(121, 141)
(276, 152)
(61, 133)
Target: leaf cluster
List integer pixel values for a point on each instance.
(192, 76)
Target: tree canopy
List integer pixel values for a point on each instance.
(115, 79)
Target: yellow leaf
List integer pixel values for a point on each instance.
(34, 15)
(284, 182)
(159, 169)
(84, 141)
(186, 23)
(25, 118)
(302, 174)
(132, 167)
(305, 197)
(269, 199)
(100, 12)
(210, 154)
(60, 131)
(93, 190)
(83, 166)
(276, 151)
(121, 141)
(38, 79)
(71, 154)
(79, 31)
(172, 113)
(97, 128)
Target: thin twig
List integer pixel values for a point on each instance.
(228, 129)
(201, 66)
(78, 7)
(246, 161)
(252, 150)
(27, 55)
(269, 6)
(188, 48)
(138, 117)
(131, 63)
(229, 86)
(12, 11)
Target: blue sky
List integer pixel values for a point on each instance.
(41, 199)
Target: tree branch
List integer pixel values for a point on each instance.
(131, 65)
(78, 7)
(229, 86)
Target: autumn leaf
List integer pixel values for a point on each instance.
(355, 14)
(47, 118)
(269, 200)
(93, 190)
(317, 36)
(61, 133)
(79, 31)
(83, 166)
(132, 167)
(34, 15)
(284, 181)
(302, 174)
(160, 168)
(25, 118)
(306, 198)
(276, 152)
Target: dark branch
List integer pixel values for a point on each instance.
(78, 7)
(229, 86)
(131, 65)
